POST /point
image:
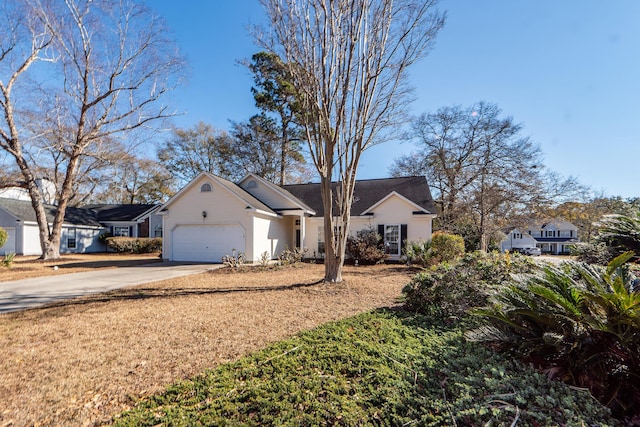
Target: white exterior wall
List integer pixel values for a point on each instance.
(15, 193)
(311, 237)
(30, 240)
(265, 194)
(513, 240)
(221, 206)
(270, 235)
(394, 210)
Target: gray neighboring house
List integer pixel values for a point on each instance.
(81, 229)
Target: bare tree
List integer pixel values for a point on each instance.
(136, 180)
(348, 62)
(483, 171)
(108, 67)
(188, 152)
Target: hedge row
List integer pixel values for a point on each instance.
(135, 245)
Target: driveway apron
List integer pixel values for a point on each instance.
(27, 293)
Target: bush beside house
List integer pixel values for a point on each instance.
(366, 247)
(3, 236)
(135, 245)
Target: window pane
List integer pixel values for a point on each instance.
(71, 238)
(321, 239)
(392, 239)
(121, 231)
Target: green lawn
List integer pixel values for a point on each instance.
(379, 368)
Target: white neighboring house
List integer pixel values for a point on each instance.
(211, 216)
(17, 192)
(81, 229)
(554, 236)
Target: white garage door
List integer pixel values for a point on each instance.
(10, 244)
(206, 243)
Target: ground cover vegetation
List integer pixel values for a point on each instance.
(580, 324)
(79, 362)
(379, 368)
(576, 323)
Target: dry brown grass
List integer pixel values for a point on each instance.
(26, 267)
(81, 362)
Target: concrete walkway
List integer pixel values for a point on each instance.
(27, 293)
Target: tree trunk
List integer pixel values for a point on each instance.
(283, 153)
(51, 249)
(333, 261)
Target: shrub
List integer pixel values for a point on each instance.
(235, 260)
(365, 247)
(103, 238)
(419, 252)
(448, 291)
(447, 247)
(136, 245)
(580, 324)
(443, 247)
(291, 256)
(621, 232)
(3, 236)
(7, 261)
(265, 259)
(593, 253)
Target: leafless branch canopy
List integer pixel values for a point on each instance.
(348, 60)
(75, 75)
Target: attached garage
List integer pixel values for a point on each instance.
(206, 243)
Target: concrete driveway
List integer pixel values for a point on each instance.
(27, 293)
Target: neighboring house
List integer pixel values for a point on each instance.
(553, 236)
(129, 220)
(211, 216)
(18, 191)
(81, 228)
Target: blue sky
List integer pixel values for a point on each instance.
(568, 71)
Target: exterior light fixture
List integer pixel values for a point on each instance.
(204, 214)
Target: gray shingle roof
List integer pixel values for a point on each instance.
(23, 210)
(119, 212)
(247, 197)
(370, 191)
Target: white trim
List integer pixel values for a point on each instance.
(399, 241)
(148, 212)
(281, 191)
(388, 196)
(218, 181)
(261, 212)
(67, 225)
